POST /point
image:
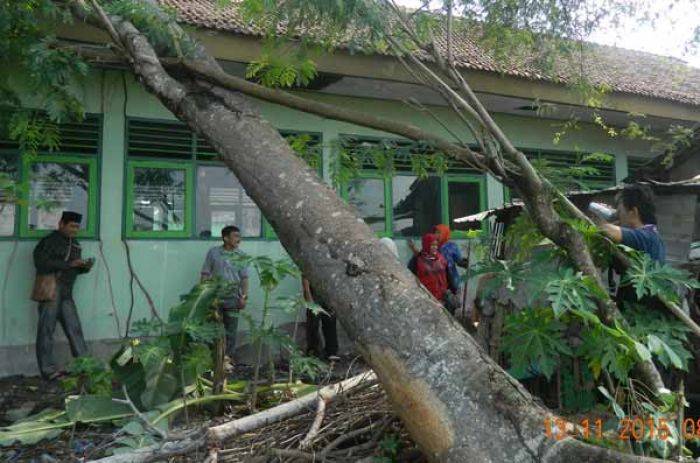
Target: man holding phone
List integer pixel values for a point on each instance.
(58, 256)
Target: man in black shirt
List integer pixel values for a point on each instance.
(59, 254)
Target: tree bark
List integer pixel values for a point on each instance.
(455, 401)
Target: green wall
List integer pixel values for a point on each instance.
(169, 268)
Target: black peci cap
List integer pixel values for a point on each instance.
(70, 216)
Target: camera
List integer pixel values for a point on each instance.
(603, 211)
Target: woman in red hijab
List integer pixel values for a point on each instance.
(431, 267)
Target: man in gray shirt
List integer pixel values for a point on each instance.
(220, 263)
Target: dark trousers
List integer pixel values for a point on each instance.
(327, 324)
(63, 310)
(230, 317)
(451, 302)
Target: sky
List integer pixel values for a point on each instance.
(666, 36)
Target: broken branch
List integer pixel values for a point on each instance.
(316, 425)
(285, 410)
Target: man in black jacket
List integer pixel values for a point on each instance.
(59, 253)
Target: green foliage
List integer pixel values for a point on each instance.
(344, 166)
(305, 366)
(47, 424)
(651, 278)
(174, 354)
(572, 291)
(502, 274)
(33, 131)
(603, 350)
(305, 147)
(153, 20)
(581, 174)
(88, 375)
(160, 372)
(677, 137)
(27, 48)
(576, 397)
(666, 336)
(271, 272)
(91, 408)
(598, 157)
(619, 412)
(134, 436)
(598, 245)
(31, 62)
(591, 94)
(661, 408)
(547, 279)
(279, 66)
(523, 236)
(390, 445)
(534, 342)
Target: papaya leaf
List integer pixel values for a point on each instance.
(619, 412)
(650, 278)
(534, 341)
(95, 408)
(161, 382)
(45, 425)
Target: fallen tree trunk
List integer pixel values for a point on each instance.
(455, 401)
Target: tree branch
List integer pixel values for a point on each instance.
(109, 27)
(248, 423)
(316, 425)
(149, 426)
(219, 77)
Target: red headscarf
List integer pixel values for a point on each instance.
(427, 241)
(443, 232)
(431, 269)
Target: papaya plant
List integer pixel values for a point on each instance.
(264, 334)
(166, 357)
(536, 343)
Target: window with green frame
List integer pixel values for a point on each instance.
(178, 188)
(395, 201)
(35, 190)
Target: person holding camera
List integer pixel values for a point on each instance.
(637, 221)
(58, 262)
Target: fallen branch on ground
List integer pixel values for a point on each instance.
(155, 452)
(213, 456)
(147, 424)
(316, 425)
(242, 425)
(251, 422)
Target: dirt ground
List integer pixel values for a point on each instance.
(22, 396)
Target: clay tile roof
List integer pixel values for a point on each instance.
(624, 71)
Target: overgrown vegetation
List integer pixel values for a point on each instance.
(166, 367)
(560, 329)
(558, 336)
